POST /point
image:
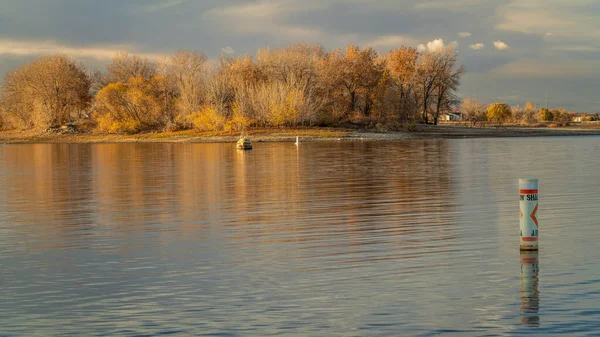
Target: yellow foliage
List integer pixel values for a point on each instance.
(238, 121)
(498, 113)
(208, 119)
(128, 107)
(107, 123)
(286, 112)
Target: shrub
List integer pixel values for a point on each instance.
(208, 119)
(107, 123)
(498, 113)
(546, 115)
(238, 123)
(410, 126)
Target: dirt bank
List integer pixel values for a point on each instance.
(289, 135)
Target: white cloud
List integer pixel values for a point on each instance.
(37, 48)
(477, 46)
(464, 34)
(227, 50)
(500, 45)
(436, 46)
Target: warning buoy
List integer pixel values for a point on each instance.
(528, 200)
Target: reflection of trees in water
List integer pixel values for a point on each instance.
(49, 189)
(275, 193)
(134, 184)
(360, 193)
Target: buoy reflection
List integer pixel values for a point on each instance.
(530, 296)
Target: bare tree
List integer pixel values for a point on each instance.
(447, 82)
(125, 66)
(47, 92)
(427, 75)
(188, 69)
(472, 111)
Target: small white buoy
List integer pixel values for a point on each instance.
(528, 199)
(297, 140)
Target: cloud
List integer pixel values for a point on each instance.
(567, 19)
(265, 18)
(464, 34)
(227, 50)
(500, 45)
(546, 69)
(477, 46)
(454, 5)
(391, 41)
(161, 5)
(36, 48)
(436, 46)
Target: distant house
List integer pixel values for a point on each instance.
(579, 118)
(451, 116)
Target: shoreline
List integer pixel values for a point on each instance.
(306, 134)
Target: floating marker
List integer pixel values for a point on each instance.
(528, 200)
(297, 140)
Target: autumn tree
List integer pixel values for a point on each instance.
(446, 82)
(187, 68)
(293, 65)
(221, 83)
(562, 116)
(125, 66)
(498, 113)
(402, 66)
(427, 76)
(529, 113)
(545, 115)
(50, 91)
(352, 76)
(472, 111)
(3, 123)
(293, 72)
(128, 107)
(18, 109)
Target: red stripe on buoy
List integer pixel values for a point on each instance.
(529, 238)
(528, 191)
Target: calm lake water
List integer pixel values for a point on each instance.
(406, 238)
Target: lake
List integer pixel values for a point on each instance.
(358, 238)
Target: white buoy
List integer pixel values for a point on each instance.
(297, 140)
(528, 200)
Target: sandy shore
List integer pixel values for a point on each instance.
(306, 134)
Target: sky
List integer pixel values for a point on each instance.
(513, 50)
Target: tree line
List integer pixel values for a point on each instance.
(297, 85)
(501, 113)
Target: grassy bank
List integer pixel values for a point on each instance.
(188, 136)
(307, 134)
